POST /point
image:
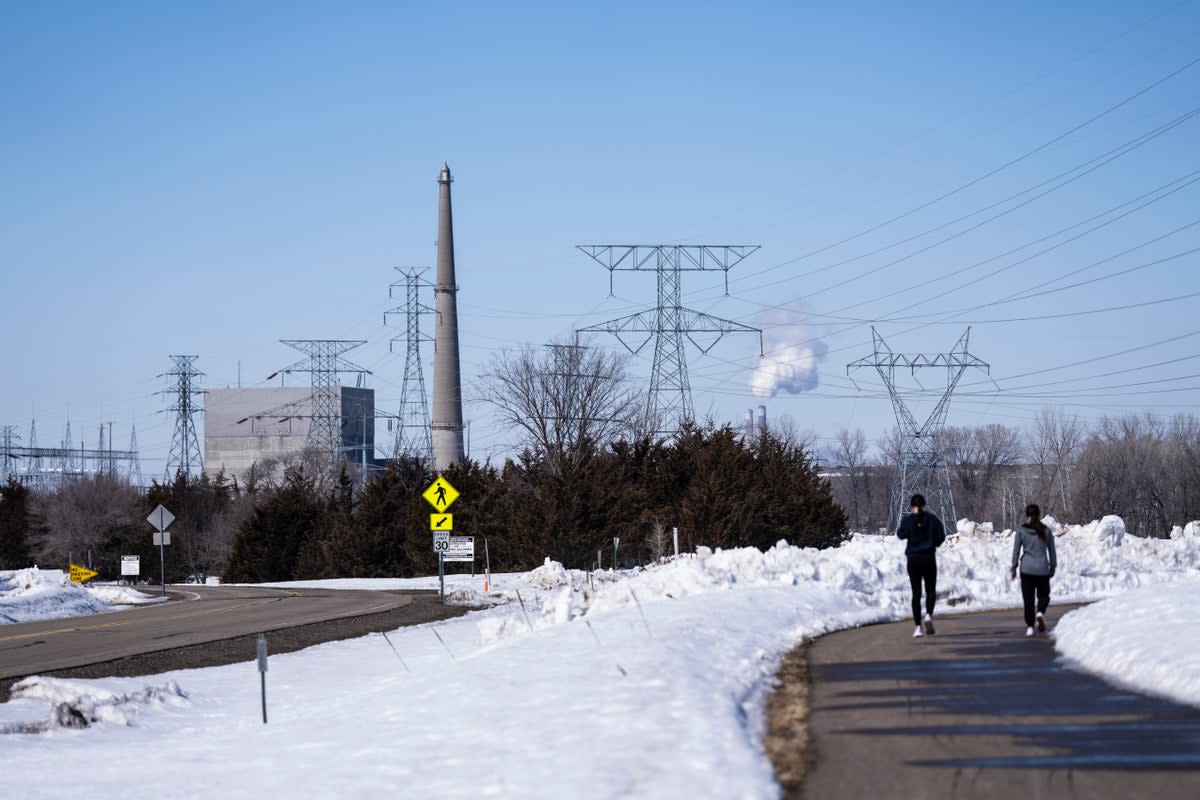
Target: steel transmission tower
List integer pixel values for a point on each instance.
(922, 466)
(134, 470)
(8, 448)
(323, 364)
(669, 323)
(413, 432)
(186, 456)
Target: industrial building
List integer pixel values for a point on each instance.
(245, 426)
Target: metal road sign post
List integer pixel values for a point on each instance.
(441, 495)
(160, 518)
(262, 671)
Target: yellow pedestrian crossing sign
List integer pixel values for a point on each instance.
(80, 574)
(441, 522)
(440, 494)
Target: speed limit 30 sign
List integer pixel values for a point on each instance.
(441, 541)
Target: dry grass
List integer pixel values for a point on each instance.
(787, 742)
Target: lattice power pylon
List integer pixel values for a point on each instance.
(922, 466)
(669, 323)
(186, 456)
(413, 431)
(323, 364)
(8, 450)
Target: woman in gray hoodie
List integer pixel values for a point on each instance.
(1033, 552)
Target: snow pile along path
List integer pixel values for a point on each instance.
(1147, 640)
(32, 594)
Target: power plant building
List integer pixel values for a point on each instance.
(239, 431)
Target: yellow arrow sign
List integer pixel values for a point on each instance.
(441, 522)
(440, 494)
(80, 574)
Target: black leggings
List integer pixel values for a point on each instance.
(1029, 585)
(922, 568)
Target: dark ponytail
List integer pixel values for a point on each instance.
(1035, 520)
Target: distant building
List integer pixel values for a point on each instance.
(244, 426)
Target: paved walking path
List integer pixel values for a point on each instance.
(979, 711)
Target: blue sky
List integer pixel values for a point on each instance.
(211, 178)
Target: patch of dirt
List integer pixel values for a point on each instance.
(424, 608)
(787, 741)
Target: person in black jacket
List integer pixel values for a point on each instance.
(925, 534)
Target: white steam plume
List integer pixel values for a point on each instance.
(793, 356)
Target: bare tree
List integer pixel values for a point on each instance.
(1055, 442)
(82, 515)
(564, 399)
(976, 458)
(850, 457)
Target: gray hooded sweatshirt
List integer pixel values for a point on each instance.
(1035, 556)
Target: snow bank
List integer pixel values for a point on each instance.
(76, 704)
(1148, 640)
(32, 594)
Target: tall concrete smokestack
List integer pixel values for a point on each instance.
(447, 375)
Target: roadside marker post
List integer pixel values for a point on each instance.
(675, 536)
(487, 566)
(262, 671)
(616, 542)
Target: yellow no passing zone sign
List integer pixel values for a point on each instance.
(441, 522)
(80, 574)
(440, 494)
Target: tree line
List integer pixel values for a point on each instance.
(718, 486)
(1142, 467)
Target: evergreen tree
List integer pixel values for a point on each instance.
(14, 525)
(269, 542)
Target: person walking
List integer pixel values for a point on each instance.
(1033, 552)
(925, 534)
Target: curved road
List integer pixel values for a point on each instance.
(979, 711)
(206, 614)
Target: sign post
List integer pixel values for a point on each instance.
(675, 536)
(160, 518)
(262, 671)
(441, 495)
(616, 542)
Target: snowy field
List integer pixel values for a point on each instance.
(32, 594)
(645, 683)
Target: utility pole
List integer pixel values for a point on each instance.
(922, 467)
(669, 323)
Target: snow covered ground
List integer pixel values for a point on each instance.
(643, 683)
(1147, 640)
(32, 594)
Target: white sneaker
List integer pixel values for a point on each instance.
(929, 624)
(1041, 622)
(919, 632)
(1029, 631)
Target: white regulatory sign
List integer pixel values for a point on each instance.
(460, 548)
(131, 565)
(441, 541)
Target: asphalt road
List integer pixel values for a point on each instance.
(979, 711)
(204, 614)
